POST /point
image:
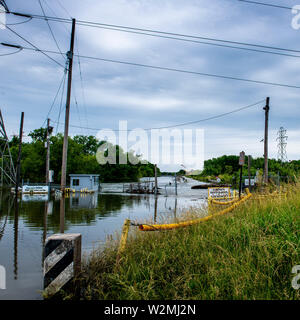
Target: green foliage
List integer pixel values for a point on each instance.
(227, 168)
(247, 254)
(81, 159)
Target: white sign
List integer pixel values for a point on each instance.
(35, 189)
(252, 181)
(220, 192)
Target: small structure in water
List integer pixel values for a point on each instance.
(86, 182)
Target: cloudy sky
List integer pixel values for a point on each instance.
(147, 98)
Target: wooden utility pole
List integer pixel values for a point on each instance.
(19, 155)
(155, 174)
(266, 108)
(49, 131)
(249, 172)
(66, 133)
(241, 163)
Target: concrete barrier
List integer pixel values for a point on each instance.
(62, 261)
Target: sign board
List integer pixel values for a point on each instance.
(252, 181)
(219, 192)
(35, 189)
(242, 158)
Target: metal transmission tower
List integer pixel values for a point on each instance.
(8, 172)
(282, 143)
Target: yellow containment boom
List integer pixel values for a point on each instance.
(146, 227)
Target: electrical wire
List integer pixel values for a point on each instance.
(34, 46)
(17, 23)
(192, 72)
(266, 4)
(178, 125)
(178, 70)
(52, 34)
(11, 53)
(61, 99)
(81, 82)
(199, 42)
(95, 24)
(56, 95)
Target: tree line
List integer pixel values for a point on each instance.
(81, 159)
(227, 168)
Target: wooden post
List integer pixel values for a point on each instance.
(241, 163)
(266, 108)
(155, 173)
(249, 172)
(19, 155)
(67, 116)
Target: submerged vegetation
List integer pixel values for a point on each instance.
(247, 254)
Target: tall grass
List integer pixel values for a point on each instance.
(247, 254)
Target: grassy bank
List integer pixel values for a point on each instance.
(247, 254)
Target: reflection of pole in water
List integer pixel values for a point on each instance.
(16, 227)
(62, 215)
(44, 230)
(155, 209)
(175, 208)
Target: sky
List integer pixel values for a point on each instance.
(104, 93)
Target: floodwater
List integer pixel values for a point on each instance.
(24, 227)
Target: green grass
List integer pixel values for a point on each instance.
(247, 254)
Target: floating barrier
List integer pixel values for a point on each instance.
(147, 227)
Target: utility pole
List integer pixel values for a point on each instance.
(249, 172)
(19, 155)
(266, 108)
(155, 175)
(49, 131)
(66, 133)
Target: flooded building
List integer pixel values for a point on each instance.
(84, 181)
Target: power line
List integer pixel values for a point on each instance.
(178, 70)
(266, 4)
(177, 125)
(17, 23)
(56, 95)
(199, 42)
(52, 34)
(192, 72)
(34, 46)
(61, 99)
(11, 53)
(121, 28)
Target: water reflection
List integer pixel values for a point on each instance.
(16, 229)
(25, 224)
